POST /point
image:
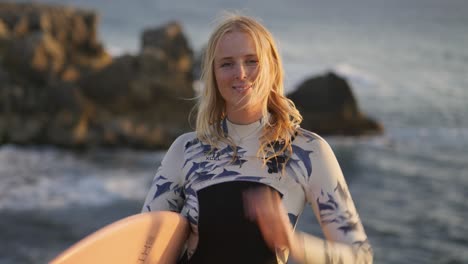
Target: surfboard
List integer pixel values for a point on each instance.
(153, 237)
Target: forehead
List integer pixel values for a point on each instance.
(235, 44)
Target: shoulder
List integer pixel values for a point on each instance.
(176, 151)
(186, 137)
(307, 138)
(312, 143)
(183, 141)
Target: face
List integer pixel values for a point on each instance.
(235, 68)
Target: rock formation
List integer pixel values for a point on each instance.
(329, 107)
(60, 86)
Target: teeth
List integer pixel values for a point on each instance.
(241, 88)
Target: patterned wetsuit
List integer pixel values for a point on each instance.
(311, 176)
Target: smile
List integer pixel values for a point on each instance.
(241, 88)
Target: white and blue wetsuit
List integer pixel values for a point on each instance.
(205, 187)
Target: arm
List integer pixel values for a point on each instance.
(166, 191)
(327, 192)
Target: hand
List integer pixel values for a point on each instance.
(263, 205)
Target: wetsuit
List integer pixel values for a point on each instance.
(195, 181)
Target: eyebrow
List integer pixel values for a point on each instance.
(230, 57)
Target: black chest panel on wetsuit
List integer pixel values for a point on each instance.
(225, 234)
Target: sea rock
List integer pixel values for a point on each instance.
(38, 56)
(50, 41)
(329, 107)
(40, 46)
(144, 99)
(160, 72)
(170, 42)
(58, 85)
(4, 32)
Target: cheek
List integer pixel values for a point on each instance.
(254, 73)
(220, 84)
(222, 79)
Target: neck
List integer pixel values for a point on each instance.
(244, 116)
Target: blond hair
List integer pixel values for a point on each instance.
(284, 117)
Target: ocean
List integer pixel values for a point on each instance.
(408, 64)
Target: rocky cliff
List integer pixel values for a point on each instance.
(59, 85)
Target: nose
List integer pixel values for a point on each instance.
(241, 72)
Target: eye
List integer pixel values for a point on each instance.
(226, 64)
(252, 62)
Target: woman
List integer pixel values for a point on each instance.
(243, 178)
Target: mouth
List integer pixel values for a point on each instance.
(242, 88)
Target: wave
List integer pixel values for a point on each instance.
(49, 178)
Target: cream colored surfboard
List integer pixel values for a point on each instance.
(154, 237)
